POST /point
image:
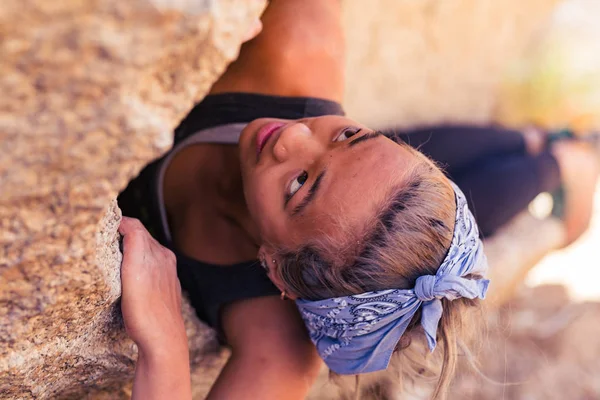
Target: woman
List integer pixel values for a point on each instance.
(332, 209)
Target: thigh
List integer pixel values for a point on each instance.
(501, 187)
(300, 52)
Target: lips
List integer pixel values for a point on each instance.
(265, 133)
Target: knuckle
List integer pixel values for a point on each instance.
(170, 256)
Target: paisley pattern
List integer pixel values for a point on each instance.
(358, 333)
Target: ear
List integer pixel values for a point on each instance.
(271, 260)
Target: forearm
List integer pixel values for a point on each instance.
(163, 374)
(151, 307)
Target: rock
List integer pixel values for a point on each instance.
(427, 62)
(91, 93)
(515, 249)
(547, 346)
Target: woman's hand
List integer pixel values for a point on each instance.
(151, 306)
(151, 299)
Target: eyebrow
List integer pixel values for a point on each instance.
(311, 194)
(365, 137)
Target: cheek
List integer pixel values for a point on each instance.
(262, 201)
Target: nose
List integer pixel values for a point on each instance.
(296, 140)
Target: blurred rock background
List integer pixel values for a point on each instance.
(513, 63)
(92, 90)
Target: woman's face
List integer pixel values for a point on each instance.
(300, 176)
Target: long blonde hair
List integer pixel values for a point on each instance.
(407, 237)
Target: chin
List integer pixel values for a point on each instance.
(247, 146)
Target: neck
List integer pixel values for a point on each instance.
(230, 203)
(206, 206)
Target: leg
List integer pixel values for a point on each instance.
(300, 52)
(499, 188)
(458, 147)
(579, 167)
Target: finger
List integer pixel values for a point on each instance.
(129, 225)
(134, 234)
(135, 241)
(169, 256)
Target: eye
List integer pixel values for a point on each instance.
(347, 133)
(297, 183)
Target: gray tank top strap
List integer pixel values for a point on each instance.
(222, 134)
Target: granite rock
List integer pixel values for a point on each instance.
(91, 92)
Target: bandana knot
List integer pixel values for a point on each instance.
(359, 333)
(425, 287)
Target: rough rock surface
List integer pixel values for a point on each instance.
(91, 91)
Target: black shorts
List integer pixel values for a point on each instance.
(208, 286)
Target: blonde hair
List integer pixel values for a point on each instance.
(408, 237)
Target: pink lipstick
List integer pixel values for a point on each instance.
(263, 135)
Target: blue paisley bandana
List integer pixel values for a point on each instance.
(359, 333)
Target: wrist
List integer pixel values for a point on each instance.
(162, 372)
(163, 346)
(167, 355)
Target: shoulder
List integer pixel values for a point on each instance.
(300, 52)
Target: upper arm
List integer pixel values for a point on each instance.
(272, 355)
(300, 52)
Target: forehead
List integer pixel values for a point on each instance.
(356, 184)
